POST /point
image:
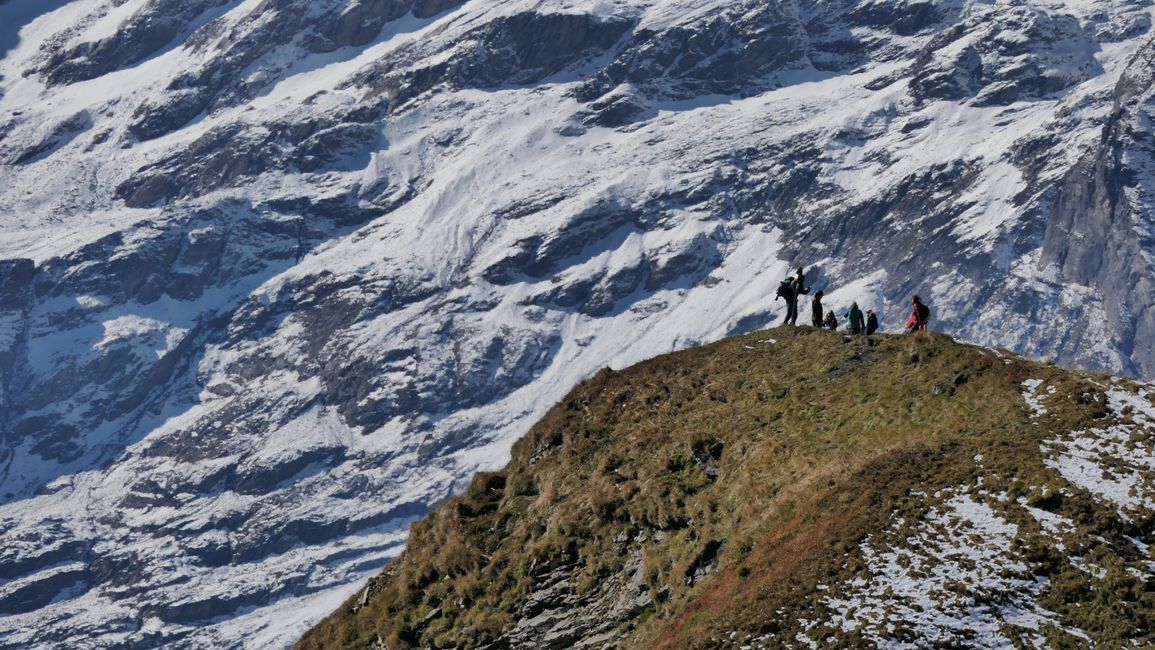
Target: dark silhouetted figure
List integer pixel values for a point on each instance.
(796, 286)
(786, 292)
(816, 309)
(871, 322)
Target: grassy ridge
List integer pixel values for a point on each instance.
(744, 474)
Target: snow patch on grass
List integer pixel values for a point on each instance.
(1032, 397)
(956, 576)
(1115, 462)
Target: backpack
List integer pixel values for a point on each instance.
(923, 313)
(784, 291)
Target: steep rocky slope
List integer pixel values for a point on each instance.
(277, 276)
(791, 489)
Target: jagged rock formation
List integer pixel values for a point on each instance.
(795, 489)
(277, 276)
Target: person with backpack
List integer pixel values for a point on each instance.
(871, 322)
(787, 293)
(816, 309)
(830, 322)
(919, 316)
(854, 319)
(798, 288)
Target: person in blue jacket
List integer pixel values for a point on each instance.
(855, 321)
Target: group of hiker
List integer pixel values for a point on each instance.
(794, 286)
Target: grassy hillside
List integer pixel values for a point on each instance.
(793, 488)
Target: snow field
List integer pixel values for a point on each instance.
(1115, 463)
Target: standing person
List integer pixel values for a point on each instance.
(871, 322)
(816, 309)
(798, 288)
(798, 281)
(786, 292)
(830, 322)
(919, 316)
(854, 319)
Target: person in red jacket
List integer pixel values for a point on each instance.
(919, 316)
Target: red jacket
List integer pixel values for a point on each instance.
(919, 316)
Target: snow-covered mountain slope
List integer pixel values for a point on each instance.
(278, 275)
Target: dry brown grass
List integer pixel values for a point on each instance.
(813, 442)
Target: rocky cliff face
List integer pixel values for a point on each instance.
(277, 276)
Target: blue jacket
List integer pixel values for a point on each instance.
(854, 316)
